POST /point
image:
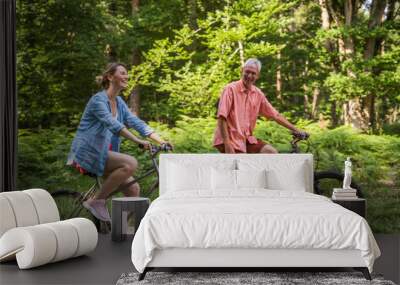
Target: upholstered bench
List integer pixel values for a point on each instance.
(31, 231)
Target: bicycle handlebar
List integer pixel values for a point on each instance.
(297, 137)
(300, 135)
(162, 147)
(154, 149)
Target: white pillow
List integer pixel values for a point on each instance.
(293, 179)
(251, 178)
(223, 179)
(282, 174)
(186, 177)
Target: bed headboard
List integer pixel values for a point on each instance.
(285, 167)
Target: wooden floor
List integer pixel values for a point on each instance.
(110, 260)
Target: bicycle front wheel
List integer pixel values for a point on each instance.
(325, 181)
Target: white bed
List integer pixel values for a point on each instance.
(247, 211)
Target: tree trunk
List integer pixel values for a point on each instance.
(135, 6)
(193, 14)
(327, 13)
(334, 116)
(342, 49)
(314, 106)
(345, 112)
(307, 114)
(369, 109)
(241, 53)
(354, 116)
(349, 14)
(376, 19)
(306, 102)
(134, 96)
(391, 10)
(353, 112)
(326, 23)
(395, 115)
(279, 79)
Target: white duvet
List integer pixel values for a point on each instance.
(253, 218)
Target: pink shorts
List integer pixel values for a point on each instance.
(79, 168)
(250, 148)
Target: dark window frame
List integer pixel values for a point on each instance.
(8, 97)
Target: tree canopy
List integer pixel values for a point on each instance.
(330, 60)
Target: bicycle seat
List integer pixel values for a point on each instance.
(90, 174)
(82, 170)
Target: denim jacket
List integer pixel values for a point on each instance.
(98, 129)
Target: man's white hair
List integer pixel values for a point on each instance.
(253, 61)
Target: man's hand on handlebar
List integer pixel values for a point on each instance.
(300, 135)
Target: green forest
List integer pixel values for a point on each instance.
(330, 66)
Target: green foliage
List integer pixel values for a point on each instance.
(61, 48)
(42, 157)
(191, 135)
(184, 53)
(356, 72)
(391, 129)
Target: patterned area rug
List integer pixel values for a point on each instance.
(253, 278)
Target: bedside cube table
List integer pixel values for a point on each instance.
(357, 205)
(124, 209)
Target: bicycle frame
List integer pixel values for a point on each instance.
(90, 193)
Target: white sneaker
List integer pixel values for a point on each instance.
(98, 209)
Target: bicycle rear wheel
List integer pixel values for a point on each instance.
(325, 181)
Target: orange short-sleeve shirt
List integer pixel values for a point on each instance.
(240, 108)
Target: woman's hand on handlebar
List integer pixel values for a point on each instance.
(144, 144)
(165, 146)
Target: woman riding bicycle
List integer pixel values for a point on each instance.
(95, 148)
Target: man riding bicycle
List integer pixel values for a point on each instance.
(95, 148)
(239, 106)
